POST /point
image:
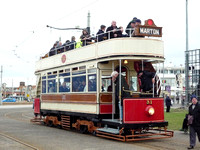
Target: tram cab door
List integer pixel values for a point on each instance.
(107, 95)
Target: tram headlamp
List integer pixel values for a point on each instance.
(150, 110)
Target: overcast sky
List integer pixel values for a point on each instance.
(24, 36)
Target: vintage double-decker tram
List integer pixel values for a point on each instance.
(75, 90)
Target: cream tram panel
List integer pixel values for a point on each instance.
(113, 47)
(79, 108)
(131, 46)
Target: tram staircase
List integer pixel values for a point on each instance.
(65, 122)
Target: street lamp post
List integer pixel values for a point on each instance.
(187, 58)
(1, 86)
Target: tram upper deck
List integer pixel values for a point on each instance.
(128, 48)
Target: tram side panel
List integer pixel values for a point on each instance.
(69, 103)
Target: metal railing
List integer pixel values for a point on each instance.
(93, 39)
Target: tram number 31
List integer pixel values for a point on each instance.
(149, 102)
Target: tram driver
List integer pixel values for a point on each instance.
(124, 85)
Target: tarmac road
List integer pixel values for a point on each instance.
(17, 132)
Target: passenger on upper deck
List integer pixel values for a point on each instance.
(131, 29)
(137, 23)
(52, 50)
(73, 42)
(66, 45)
(120, 32)
(112, 30)
(100, 34)
(129, 25)
(85, 37)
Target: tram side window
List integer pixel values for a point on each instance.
(133, 83)
(64, 85)
(52, 86)
(44, 86)
(106, 84)
(92, 86)
(79, 84)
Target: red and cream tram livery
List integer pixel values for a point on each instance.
(76, 91)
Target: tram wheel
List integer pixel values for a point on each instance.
(50, 124)
(83, 129)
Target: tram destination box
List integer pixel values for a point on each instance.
(148, 29)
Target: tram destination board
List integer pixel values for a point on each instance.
(148, 31)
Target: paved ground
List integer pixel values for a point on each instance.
(17, 132)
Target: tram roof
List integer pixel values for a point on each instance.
(117, 48)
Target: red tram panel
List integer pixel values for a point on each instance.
(36, 105)
(143, 110)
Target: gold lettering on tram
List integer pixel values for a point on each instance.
(149, 102)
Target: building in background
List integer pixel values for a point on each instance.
(22, 92)
(172, 80)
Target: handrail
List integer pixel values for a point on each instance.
(157, 81)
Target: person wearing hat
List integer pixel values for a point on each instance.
(137, 22)
(100, 34)
(194, 121)
(129, 26)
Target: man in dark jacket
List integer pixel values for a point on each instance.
(124, 85)
(100, 33)
(112, 30)
(168, 103)
(147, 80)
(129, 26)
(194, 123)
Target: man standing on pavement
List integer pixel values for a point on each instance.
(194, 121)
(168, 103)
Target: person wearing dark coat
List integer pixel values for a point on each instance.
(124, 85)
(73, 42)
(100, 34)
(129, 25)
(147, 80)
(168, 103)
(112, 30)
(194, 121)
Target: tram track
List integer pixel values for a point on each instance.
(22, 115)
(154, 145)
(158, 145)
(18, 141)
